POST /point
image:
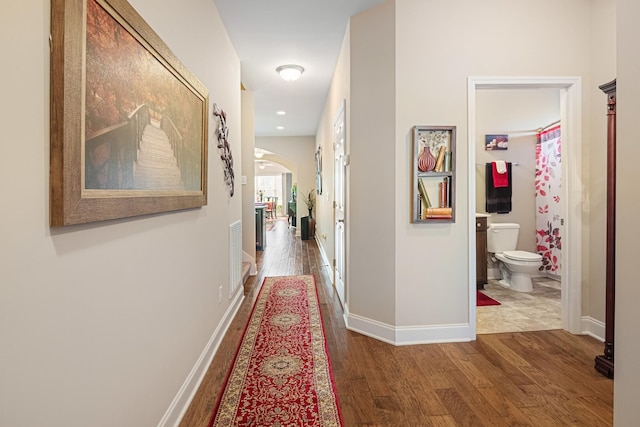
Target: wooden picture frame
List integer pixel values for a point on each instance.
(119, 98)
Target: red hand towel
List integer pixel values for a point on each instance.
(499, 179)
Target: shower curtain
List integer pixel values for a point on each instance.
(548, 187)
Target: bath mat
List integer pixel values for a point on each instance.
(482, 300)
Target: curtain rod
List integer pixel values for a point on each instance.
(529, 131)
(516, 163)
(549, 125)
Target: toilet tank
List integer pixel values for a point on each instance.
(502, 237)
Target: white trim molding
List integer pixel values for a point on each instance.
(407, 335)
(593, 327)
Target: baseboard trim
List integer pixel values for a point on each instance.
(371, 328)
(183, 398)
(325, 260)
(593, 327)
(253, 269)
(408, 335)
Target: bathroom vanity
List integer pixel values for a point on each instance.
(481, 250)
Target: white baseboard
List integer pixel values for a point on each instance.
(408, 335)
(180, 403)
(253, 269)
(593, 328)
(325, 260)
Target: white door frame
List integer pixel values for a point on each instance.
(571, 119)
(339, 205)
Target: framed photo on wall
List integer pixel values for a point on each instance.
(128, 120)
(496, 142)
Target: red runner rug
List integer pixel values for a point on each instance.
(281, 375)
(482, 300)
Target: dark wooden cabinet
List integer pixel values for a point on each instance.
(481, 252)
(604, 362)
(261, 228)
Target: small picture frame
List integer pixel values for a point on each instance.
(495, 142)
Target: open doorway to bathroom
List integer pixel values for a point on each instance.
(516, 110)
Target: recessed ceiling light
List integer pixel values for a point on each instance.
(281, 113)
(290, 72)
(280, 127)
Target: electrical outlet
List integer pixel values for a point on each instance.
(220, 294)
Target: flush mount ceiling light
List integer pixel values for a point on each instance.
(290, 72)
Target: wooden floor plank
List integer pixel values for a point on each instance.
(540, 379)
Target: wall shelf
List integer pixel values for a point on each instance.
(433, 174)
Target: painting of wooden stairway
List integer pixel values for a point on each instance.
(156, 167)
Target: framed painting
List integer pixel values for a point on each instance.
(496, 142)
(128, 120)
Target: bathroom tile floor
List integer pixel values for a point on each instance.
(521, 311)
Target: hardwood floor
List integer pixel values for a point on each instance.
(543, 378)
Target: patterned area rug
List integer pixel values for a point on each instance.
(281, 375)
(482, 300)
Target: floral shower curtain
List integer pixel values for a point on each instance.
(548, 186)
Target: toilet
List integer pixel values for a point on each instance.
(516, 266)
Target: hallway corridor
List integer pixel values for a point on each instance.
(543, 378)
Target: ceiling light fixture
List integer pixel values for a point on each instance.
(280, 127)
(281, 113)
(290, 72)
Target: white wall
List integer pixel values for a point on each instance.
(603, 67)
(433, 269)
(627, 345)
(371, 175)
(427, 290)
(338, 93)
(248, 174)
(101, 324)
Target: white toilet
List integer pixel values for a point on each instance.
(516, 266)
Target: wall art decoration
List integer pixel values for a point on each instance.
(496, 142)
(224, 147)
(319, 170)
(128, 120)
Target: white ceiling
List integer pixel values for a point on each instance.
(270, 33)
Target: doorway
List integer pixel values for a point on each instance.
(570, 116)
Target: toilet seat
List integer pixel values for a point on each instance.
(522, 256)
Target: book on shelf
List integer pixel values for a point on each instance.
(440, 159)
(438, 213)
(423, 193)
(447, 161)
(443, 188)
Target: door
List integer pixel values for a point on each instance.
(339, 170)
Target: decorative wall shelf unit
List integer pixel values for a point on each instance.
(433, 174)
